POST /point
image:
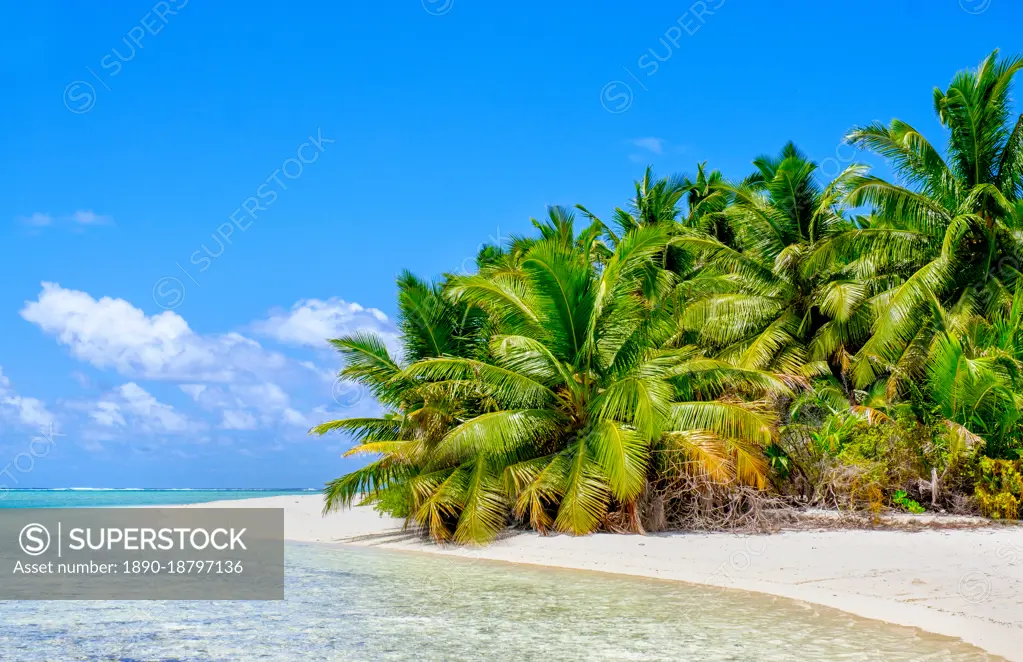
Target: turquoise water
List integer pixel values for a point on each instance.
(358, 604)
(97, 498)
(364, 604)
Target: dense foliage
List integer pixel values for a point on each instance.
(857, 342)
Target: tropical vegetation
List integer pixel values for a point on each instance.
(853, 343)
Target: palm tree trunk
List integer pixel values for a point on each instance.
(635, 525)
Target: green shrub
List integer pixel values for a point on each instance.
(901, 499)
(779, 460)
(999, 488)
(394, 500)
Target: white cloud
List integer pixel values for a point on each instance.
(193, 391)
(107, 414)
(243, 405)
(89, 217)
(130, 404)
(112, 333)
(294, 417)
(29, 411)
(80, 217)
(210, 397)
(655, 145)
(311, 322)
(152, 412)
(238, 420)
(234, 382)
(263, 396)
(327, 375)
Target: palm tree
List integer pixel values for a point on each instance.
(707, 197)
(576, 370)
(413, 418)
(658, 202)
(974, 373)
(948, 228)
(576, 397)
(761, 300)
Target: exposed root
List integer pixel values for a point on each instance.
(694, 503)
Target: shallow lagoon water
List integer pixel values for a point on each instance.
(364, 604)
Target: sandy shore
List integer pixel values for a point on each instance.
(960, 583)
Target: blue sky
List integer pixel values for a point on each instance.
(333, 144)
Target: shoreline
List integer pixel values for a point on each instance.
(961, 583)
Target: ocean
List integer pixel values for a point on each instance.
(89, 497)
(347, 603)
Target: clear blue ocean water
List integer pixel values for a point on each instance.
(344, 603)
(101, 498)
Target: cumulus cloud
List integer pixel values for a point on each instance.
(311, 322)
(30, 412)
(248, 406)
(238, 420)
(265, 396)
(150, 411)
(295, 417)
(112, 333)
(107, 414)
(193, 391)
(234, 382)
(130, 405)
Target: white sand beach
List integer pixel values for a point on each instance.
(960, 583)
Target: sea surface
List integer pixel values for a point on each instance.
(363, 604)
(89, 497)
